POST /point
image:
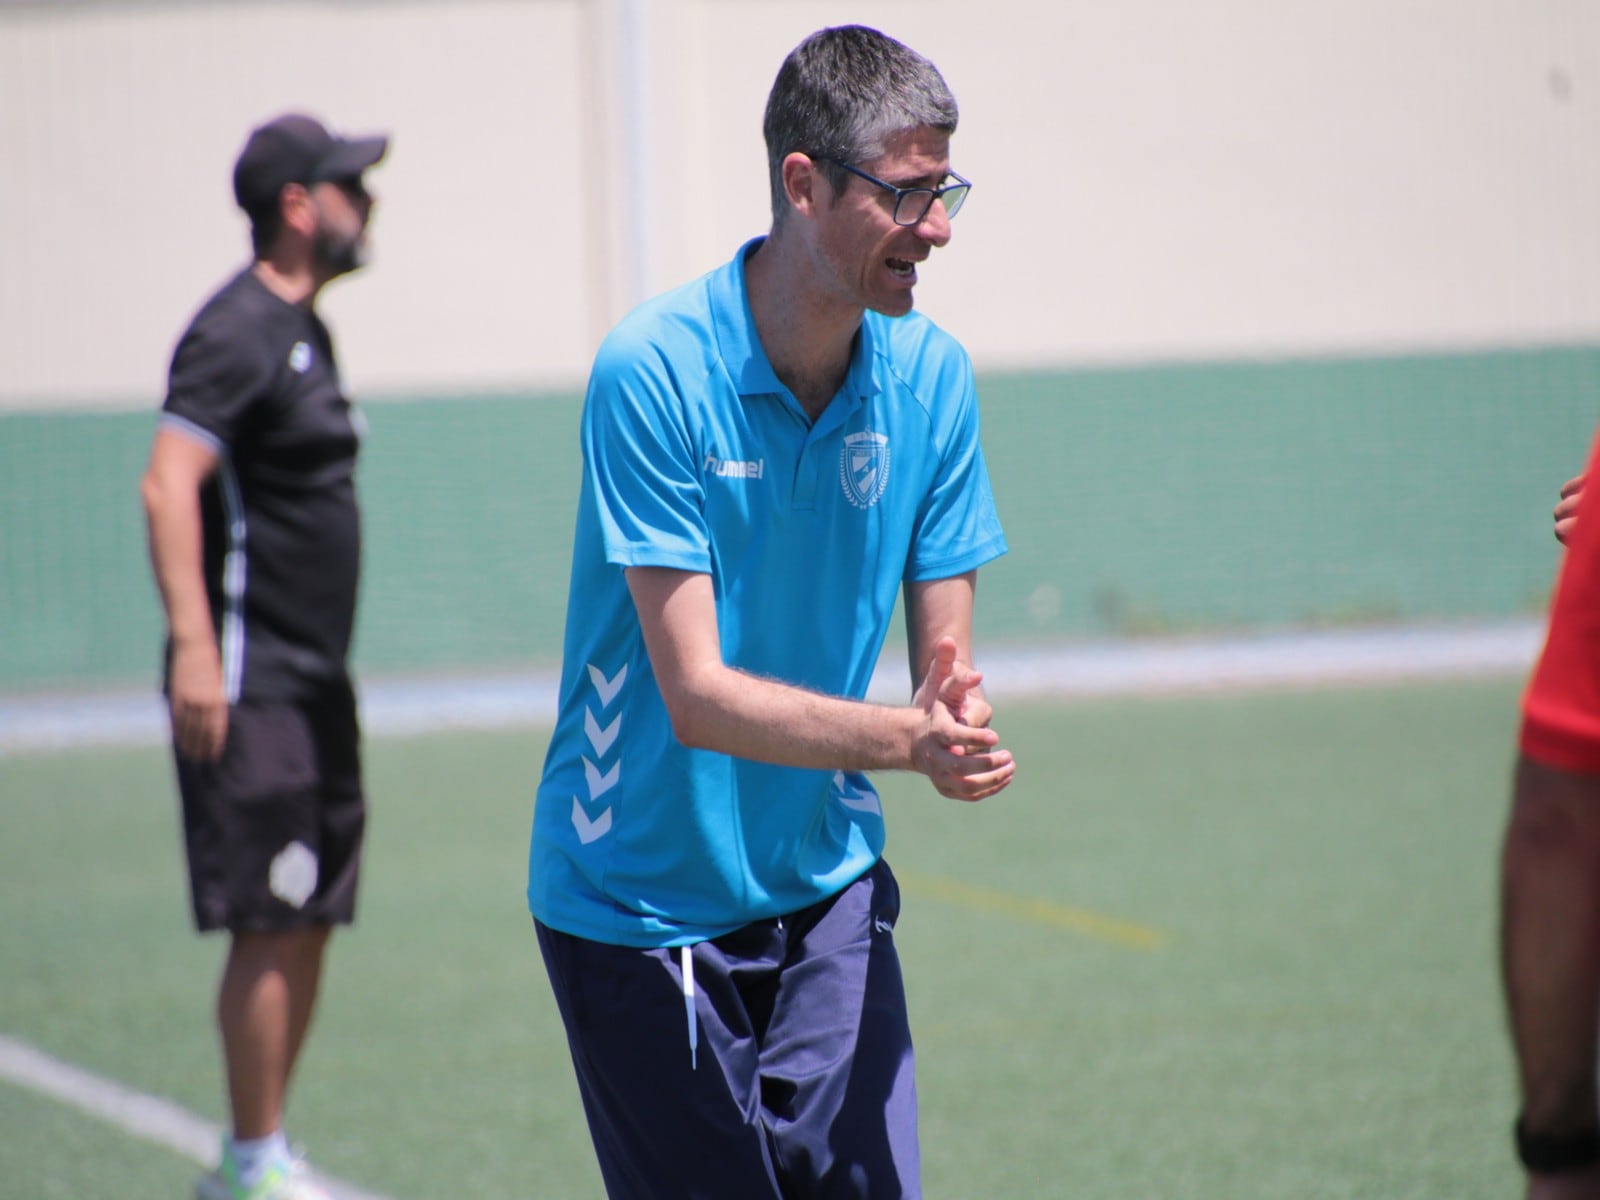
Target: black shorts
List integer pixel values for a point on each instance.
(273, 828)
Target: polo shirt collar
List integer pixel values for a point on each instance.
(742, 354)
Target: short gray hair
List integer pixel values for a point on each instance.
(841, 94)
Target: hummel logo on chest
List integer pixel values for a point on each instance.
(730, 468)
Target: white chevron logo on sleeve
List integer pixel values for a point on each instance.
(860, 801)
(589, 830)
(608, 688)
(600, 739)
(600, 784)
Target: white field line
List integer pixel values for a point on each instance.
(148, 1117)
(1108, 668)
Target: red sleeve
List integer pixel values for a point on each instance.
(1561, 708)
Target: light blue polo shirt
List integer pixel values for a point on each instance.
(695, 457)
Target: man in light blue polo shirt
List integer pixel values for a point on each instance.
(771, 454)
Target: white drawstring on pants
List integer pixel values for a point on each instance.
(686, 957)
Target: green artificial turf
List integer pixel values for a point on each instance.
(1206, 947)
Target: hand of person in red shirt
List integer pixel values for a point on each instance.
(1566, 513)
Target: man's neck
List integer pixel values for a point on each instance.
(294, 283)
(807, 338)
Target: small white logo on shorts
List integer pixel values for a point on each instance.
(294, 874)
(300, 358)
(881, 925)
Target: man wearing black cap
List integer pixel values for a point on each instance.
(255, 544)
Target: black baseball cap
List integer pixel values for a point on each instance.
(295, 148)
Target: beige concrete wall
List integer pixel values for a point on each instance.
(1155, 178)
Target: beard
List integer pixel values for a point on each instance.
(339, 253)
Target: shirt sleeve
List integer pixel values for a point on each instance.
(641, 457)
(214, 382)
(1561, 707)
(957, 527)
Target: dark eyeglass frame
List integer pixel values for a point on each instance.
(960, 188)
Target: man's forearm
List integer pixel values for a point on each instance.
(765, 720)
(717, 707)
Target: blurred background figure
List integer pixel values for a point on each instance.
(255, 542)
(1550, 882)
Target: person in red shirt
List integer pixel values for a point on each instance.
(1550, 881)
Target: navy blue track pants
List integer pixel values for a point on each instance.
(801, 1086)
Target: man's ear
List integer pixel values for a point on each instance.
(804, 184)
(297, 210)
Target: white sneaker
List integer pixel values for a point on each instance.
(288, 1179)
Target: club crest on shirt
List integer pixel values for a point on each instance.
(300, 358)
(864, 467)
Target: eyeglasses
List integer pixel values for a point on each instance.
(911, 205)
(351, 185)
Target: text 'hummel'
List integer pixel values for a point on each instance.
(733, 469)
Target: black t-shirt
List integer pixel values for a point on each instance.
(255, 378)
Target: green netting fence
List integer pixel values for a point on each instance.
(1157, 500)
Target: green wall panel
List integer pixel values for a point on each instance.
(1170, 499)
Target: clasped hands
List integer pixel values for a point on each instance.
(956, 750)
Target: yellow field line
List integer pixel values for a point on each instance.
(1059, 916)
